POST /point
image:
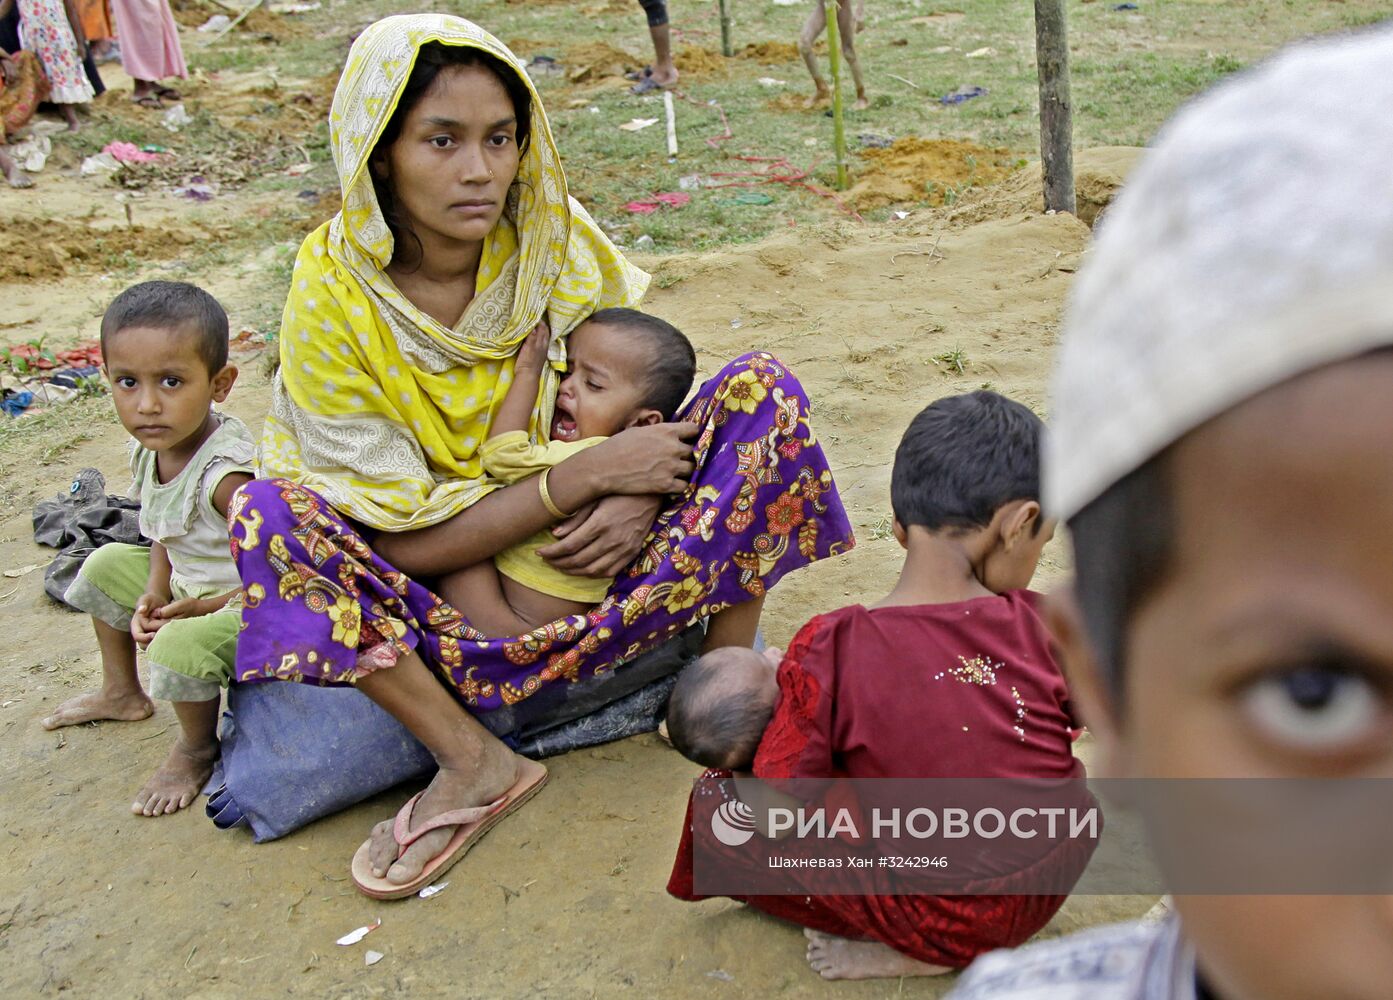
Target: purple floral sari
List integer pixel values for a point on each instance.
(321, 607)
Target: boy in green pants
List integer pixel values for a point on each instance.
(164, 347)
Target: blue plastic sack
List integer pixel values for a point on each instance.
(293, 753)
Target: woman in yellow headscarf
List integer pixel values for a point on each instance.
(456, 239)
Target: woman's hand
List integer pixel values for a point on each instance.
(602, 538)
(648, 460)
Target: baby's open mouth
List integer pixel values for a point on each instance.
(563, 424)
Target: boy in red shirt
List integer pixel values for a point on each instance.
(951, 675)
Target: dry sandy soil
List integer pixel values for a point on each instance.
(567, 898)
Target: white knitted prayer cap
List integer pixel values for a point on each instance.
(1252, 243)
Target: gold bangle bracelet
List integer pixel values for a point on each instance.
(547, 501)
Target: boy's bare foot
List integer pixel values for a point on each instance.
(861, 103)
(96, 706)
(834, 957)
(819, 99)
(451, 788)
(178, 781)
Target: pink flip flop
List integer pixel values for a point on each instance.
(472, 824)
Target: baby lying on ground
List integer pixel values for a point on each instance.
(627, 369)
(951, 675)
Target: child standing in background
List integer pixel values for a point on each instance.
(164, 346)
(53, 31)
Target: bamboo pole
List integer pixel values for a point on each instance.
(671, 126)
(1056, 108)
(834, 46)
(726, 49)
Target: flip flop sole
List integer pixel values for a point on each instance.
(531, 777)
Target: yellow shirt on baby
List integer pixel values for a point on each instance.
(510, 457)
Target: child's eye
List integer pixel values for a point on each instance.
(126, 382)
(592, 386)
(1314, 708)
(171, 382)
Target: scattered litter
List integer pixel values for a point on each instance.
(634, 124)
(908, 83)
(371, 957)
(176, 118)
(901, 216)
(595, 110)
(1126, 6)
(354, 936)
(129, 152)
(102, 163)
(689, 183)
(7, 704)
(150, 147)
(940, 50)
(32, 153)
(986, 50)
(787, 3)
(722, 974)
(962, 94)
(873, 141)
(215, 23)
(15, 574)
(47, 127)
(16, 401)
(298, 169)
(747, 198)
(293, 8)
(433, 890)
(644, 242)
(672, 199)
(736, 323)
(199, 190)
(769, 81)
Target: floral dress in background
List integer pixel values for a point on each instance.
(48, 35)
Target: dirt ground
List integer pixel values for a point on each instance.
(567, 898)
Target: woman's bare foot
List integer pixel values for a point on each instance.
(96, 706)
(839, 958)
(451, 788)
(178, 781)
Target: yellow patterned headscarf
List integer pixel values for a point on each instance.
(378, 406)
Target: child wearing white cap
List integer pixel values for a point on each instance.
(1220, 450)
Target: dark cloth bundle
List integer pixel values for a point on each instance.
(77, 522)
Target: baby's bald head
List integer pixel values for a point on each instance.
(721, 705)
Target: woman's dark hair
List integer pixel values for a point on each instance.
(434, 57)
(962, 458)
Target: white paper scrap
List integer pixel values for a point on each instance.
(354, 936)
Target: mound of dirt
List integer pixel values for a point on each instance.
(1098, 176)
(697, 61)
(796, 101)
(770, 52)
(596, 61)
(926, 170)
(192, 13)
(47, 248)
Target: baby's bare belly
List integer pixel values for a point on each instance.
(536, 608)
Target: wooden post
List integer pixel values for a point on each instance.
(834, 47)
(1056, 110)
(726, 49)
